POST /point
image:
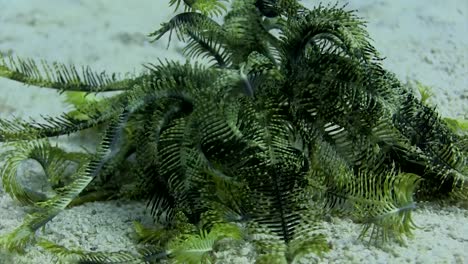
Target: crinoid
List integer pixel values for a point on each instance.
(287, 117)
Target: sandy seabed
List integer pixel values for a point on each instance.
(424, 40)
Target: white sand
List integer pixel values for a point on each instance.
(425, 40)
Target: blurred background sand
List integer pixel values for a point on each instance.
(424, 40)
